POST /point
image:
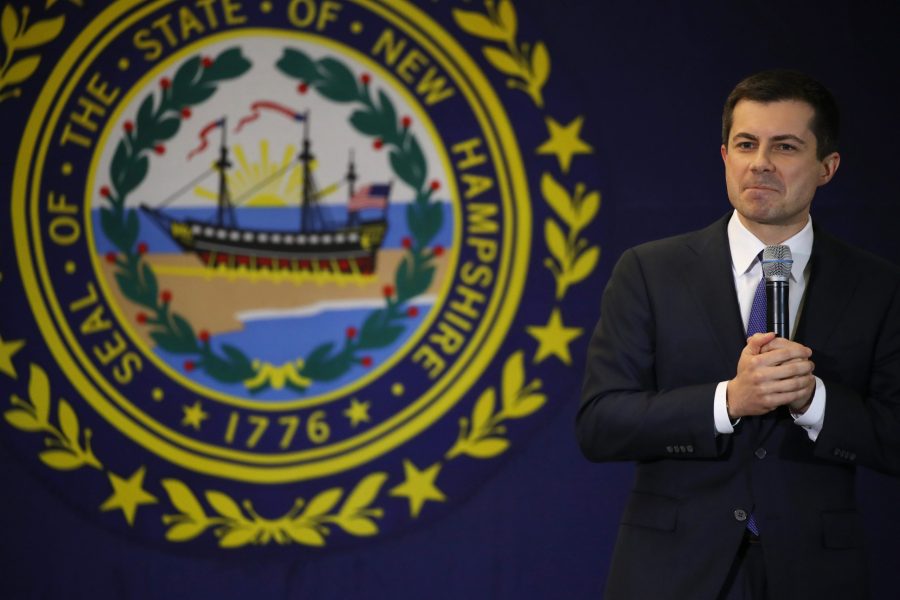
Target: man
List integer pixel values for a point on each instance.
(746, 447)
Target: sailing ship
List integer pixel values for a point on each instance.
(317, 246)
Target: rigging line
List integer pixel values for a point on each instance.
(246, 195)
(184, 189)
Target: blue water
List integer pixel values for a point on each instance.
(273, 218)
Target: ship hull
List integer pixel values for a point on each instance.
(348, 250)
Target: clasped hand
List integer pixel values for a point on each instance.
(771, 372)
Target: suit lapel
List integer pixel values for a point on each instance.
(712, 284)
(828, 292)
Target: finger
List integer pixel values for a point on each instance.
(783, 355)
(756, 341)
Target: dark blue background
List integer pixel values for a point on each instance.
(650, 78)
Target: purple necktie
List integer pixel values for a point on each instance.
(757, 321)
(757, 324)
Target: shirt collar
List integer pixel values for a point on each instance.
(745, 247)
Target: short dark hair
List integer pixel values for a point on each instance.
(783, 84)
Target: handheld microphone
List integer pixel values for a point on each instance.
(776, 266)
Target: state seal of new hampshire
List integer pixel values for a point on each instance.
(290, 272)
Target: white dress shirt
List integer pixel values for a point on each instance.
(747, 271)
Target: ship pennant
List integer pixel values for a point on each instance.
(203, 133)
(256, 110)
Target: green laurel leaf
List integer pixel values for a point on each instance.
(338, 82)
(298, 65)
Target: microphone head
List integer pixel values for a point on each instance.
(776, 263)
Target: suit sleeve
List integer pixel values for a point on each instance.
(624, 415)
(862, 417)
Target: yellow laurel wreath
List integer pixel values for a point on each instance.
(573, 259)
(17, 35)
(482, 435)
(307, 526)
(527, 65)
(64, 450)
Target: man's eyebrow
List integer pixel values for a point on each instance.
(775, 138)
(789, 136)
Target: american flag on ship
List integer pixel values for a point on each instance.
(374, 195)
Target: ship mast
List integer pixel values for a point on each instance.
(352, 217)
(306, 157)
(225, 211)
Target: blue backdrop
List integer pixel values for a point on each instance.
(652, 77)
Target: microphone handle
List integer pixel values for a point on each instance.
(777, 308)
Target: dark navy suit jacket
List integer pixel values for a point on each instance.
(670, 330)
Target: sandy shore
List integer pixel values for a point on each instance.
(210, 299)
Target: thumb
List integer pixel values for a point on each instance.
(756, 341)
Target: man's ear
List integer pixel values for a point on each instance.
(830, 166)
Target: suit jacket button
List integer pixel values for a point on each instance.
(740, 514)
(760, 453)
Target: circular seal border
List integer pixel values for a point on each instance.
(421, 413)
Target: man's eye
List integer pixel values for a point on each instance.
(786, 147)
(744, 145)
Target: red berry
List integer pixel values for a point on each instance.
(128, 126)
(186, 113)
(164, 83)
(189, 365)
(388, 291)
(166, 296)
(159, 149)
(406, 121)
(412, 311)
(142, 248)
(302, 88)
(141, 318)
(438, 250)
(366, 361)
(378, 143)
(111, 257)
(365, 78)
(407, 243)
(207, 62)
(435, 185)
(204, 336)
(351, 333)
(104, 191)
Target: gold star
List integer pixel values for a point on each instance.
(419, 486)
(128, 494)
(358, 412)
(194, 415)
(7, 351)
(554, 338)
(564, 142)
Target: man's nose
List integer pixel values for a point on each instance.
(761, 162)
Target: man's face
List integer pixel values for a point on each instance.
(771, 169)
